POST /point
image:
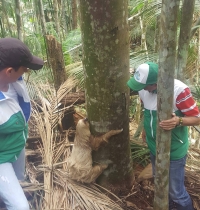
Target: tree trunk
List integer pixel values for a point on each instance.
(63, 19)
(56, 19)
(157, 30)
(4, 11)
(56, 59)
(104, 26)
(184, 37)
(74, 14)
(143, 31)
(19, 20)
(43, 22)
(167, 59)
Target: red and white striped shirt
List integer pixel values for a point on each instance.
(186, 104)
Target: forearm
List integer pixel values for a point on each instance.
(187, 121)
(179, 121)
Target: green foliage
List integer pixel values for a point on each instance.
(51, 29)
(73, 39)
(76, 70)
(36, 44)
(196, 94)
(41, 75)
(139, 57)
(72, 47)
(67, 59)
(133, 105)
(138, 7)
(140, 154)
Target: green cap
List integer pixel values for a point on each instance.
(146, 74)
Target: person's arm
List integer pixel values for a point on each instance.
(186, 104)
(179, 121)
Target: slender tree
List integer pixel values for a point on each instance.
(185, 36)
(104, 26)
(74, 14)
(4, 11)
(41, 12)
(63, 18)
(2, 28)
(167, 61)
(56, 19)
(19, 20)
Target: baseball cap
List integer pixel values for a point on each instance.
(146, 74)
(14, 53)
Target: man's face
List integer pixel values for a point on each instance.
(9, 75)
(151, 88)
(13, 75)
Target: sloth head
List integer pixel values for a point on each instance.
(83, 128)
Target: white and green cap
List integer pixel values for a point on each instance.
(146, 74)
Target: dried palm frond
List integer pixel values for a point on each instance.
(59, 191)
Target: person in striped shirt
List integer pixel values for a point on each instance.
(185, 113)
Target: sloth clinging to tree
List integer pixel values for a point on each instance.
(80, 165)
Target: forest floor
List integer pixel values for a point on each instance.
(141, 195)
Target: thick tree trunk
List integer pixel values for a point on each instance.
(104, 26)
(167, 60)
(56, 59)
(184, 37)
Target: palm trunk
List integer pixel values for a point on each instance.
(106, 65)
(167, 60)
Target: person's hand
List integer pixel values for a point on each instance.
(169, 124)
(144, 136)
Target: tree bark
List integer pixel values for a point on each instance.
(167, 59)
(74, 14)
(56, 19)
(56, 59)
(4, 11)
(18, 19)
(184, 37)
(43, 22)
(104, 26)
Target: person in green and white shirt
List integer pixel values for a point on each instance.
(15, 109)
(185, 113)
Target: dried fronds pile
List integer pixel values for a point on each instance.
(60, 192)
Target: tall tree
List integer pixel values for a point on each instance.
(63, 18)
(56, 19)
(19, 20)
(167, 61)
(105, 36)
(4, 11)
(41, 12)
(74, 14)
(185, 36)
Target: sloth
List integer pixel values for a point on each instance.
(80, 165)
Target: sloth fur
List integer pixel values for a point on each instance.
(80, 166)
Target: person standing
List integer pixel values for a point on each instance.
(15, 109)
(185, 113)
